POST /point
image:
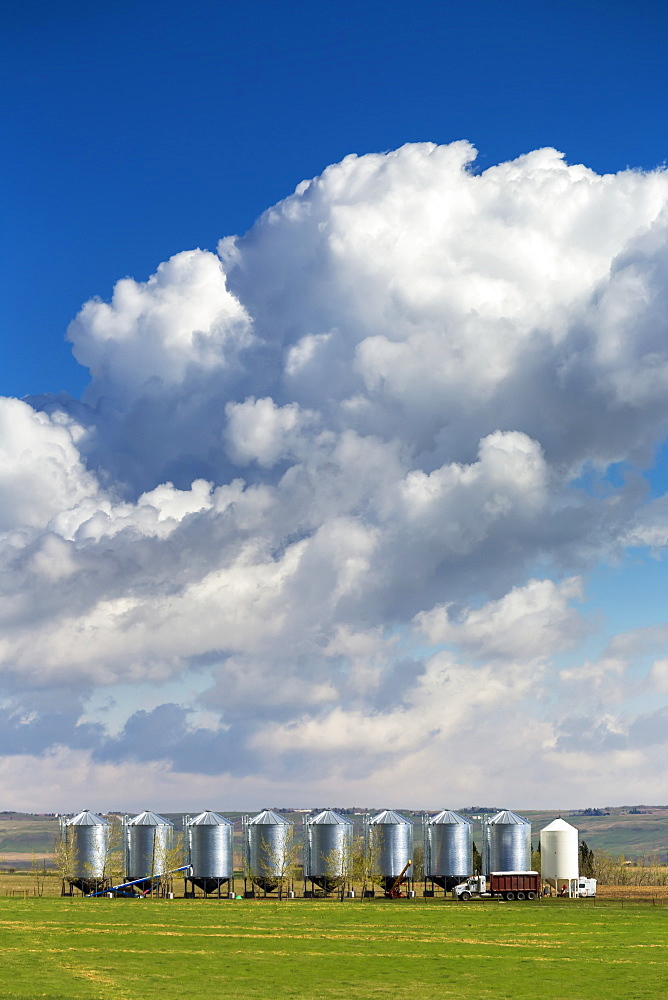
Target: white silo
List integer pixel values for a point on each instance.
(559, 854)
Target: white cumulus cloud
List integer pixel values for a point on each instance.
(351, 472)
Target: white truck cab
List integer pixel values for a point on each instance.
(476, 885)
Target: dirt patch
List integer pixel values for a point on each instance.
(25, 857)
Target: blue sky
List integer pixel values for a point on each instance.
(338, 488)
(141, 129)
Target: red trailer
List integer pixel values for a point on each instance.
(515, 885)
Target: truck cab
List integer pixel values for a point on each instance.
(476, 885)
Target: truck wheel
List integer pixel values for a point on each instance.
(465, 895)
(510, 895)
(520, 895)
(531, 895)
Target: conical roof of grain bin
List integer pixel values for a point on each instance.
(148, 818)
(269, 818)
(329, 817)
(208, 818)
(87, 818)
(391, 818)
(559, 850)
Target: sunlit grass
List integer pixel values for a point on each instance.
(144, 949)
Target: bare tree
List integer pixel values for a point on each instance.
(114, 861)
(611, 870)
(166, 860)
(63, 859)
(279, 862)
(418, 863)
(366, 863)
(40, 872)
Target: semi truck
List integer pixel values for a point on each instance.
(504, 885)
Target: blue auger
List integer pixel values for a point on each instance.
(136, 881)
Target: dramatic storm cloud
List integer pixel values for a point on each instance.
(321, 526)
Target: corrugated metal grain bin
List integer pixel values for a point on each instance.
(448, 848)
(328, 849)
(508, 843)
(391, 843)
(210, 850)
(268, 843)
(148, 840)
(86, 837)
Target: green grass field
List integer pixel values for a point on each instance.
(131, 950)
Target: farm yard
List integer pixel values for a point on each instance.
(58, 947)
(139, 950)
(36, 882)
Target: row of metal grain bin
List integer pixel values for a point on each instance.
(147, 843)
(328, 842)
(268, 839)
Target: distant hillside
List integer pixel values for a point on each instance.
(24, 833)
(637, 832)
